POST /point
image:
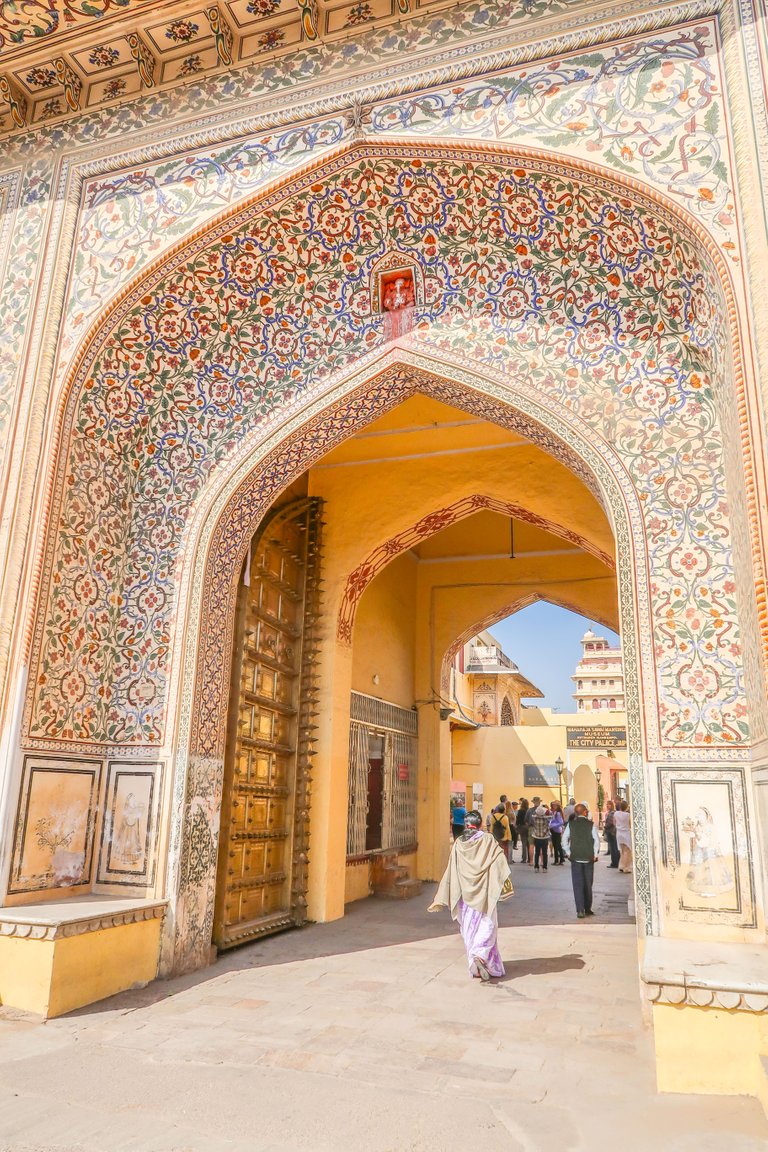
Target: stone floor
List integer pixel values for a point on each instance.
(368, 1036)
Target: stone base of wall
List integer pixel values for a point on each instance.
(61, 956)
(709, 1009)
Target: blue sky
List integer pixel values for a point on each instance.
(543, 640)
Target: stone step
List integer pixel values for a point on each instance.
(387, 877)
(401, 890)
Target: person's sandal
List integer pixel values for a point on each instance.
(485, 975)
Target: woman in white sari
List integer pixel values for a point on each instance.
(623, 836)
(476, 878)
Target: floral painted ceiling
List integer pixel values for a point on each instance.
(62, 57)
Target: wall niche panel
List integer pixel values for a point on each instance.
(708, 874)
(55, 822)
(129, 831)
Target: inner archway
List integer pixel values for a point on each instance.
(380, 703)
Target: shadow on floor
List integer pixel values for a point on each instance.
(377, 923)
(541, 966)
(367, 924)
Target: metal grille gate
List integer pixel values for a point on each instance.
(397, 727)
(262, 871)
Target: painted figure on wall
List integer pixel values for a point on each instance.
(399, 293)
(708, 875)
(128, 845)
(398, 297)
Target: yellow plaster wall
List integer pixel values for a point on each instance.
(99, 964)
(462, 693)
(495, 757)
(384, 634)
(326, 881)
(357, 881)
(710, 1050)
(25, 973)
(455, 598)
(434, 793)
(51, 977)
(402, 468)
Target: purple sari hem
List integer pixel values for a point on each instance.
(479, 934)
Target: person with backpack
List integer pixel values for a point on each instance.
(511, 807)
(502, 800)
(581, 844)
(541, 836)
(500, 829)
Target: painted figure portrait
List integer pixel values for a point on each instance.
(128, 845)
(708, 874)
(399, 293)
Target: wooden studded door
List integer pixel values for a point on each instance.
(262, 870)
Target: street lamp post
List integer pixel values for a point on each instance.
(559, 765)
(598, 775)
(611, 756)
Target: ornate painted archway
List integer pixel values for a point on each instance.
(434, 521)
(555, 300)
(519, 604)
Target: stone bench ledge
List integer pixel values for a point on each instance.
(706, 975)
(58, 919)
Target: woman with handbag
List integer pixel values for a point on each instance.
(624, 836)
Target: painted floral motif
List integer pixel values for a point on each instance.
(41, 77)
(359, 13)
(103, 55)
(77, 9)
(153, 220)
(650, 109)
(114, 88)
(176, 196)
(587, 297)
(182, 31)
(271, 39)
(262, 7)
(190, 65)
(30, 21)
(53, 107)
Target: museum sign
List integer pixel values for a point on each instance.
(596, 736)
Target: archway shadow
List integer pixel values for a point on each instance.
(369, 925)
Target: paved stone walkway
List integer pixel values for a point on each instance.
(367, 1036)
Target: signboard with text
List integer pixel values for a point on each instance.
(540, 776)
(596, 736)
